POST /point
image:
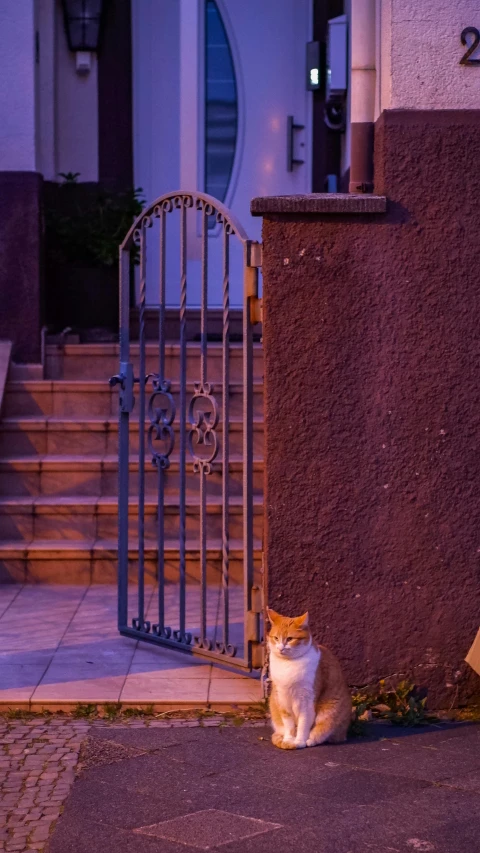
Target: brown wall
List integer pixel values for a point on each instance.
(371, 336)
(115, 139)
(20, 263)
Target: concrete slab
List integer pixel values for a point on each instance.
(208, 828)
(8, 593)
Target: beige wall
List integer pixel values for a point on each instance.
(418, 55)
(76, 111)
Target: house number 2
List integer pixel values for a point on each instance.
(470, 31)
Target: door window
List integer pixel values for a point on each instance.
(221, 106)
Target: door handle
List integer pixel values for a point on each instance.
(291, 128)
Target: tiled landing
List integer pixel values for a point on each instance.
(59, 647)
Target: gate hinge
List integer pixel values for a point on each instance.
(256, 310)
(253, 262)
(254, 254)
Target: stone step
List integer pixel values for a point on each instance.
(90, 518)
(24, 372)
(83, 562)
(97, 361)
(25, 436)
(95, 398)
(98, 476)
(59, 470)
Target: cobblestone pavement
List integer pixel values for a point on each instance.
(37, 768)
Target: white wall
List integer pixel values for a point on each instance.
(156, 95)
(419, 55)
(17, 86)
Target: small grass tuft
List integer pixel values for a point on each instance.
(18, 714)
(148, 711)
(469, 714)
(110, 710)
(84, 711)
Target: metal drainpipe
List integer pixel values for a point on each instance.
(362, 29)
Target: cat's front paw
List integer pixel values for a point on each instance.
(288, 743)
(301, 744)
(311, 741)
(277, 739)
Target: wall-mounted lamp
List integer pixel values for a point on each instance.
(83, 26)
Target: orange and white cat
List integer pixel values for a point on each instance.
(310, 702)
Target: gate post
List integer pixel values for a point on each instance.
(371, 349)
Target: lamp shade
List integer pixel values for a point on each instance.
(83, 20)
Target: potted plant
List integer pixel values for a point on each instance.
(84, 226)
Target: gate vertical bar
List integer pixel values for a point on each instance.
(183, 411)
(141, 429)
(123, 435)
(226, 436)
(250, 280)
(160, 466)
(203, 470)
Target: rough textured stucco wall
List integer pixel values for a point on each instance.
(420, 53)
(17, 86)
(372, 413)
(20, 263)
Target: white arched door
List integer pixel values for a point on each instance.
(214, 83)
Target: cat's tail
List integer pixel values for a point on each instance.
(331, 724)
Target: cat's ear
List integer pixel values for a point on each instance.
(272, 616)
(302, 621)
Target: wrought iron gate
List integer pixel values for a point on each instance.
(179, 424)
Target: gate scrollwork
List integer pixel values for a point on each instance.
(203, 415)
(161, 412)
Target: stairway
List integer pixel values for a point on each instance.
(59, 470)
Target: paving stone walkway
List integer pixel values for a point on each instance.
(75, 655)
(163, 787)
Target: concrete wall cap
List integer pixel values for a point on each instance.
(319, 203)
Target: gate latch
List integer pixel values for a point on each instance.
(253, 628)
(125, 379)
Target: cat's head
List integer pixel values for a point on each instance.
(289, 636)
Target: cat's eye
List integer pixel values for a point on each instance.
(289, 639)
